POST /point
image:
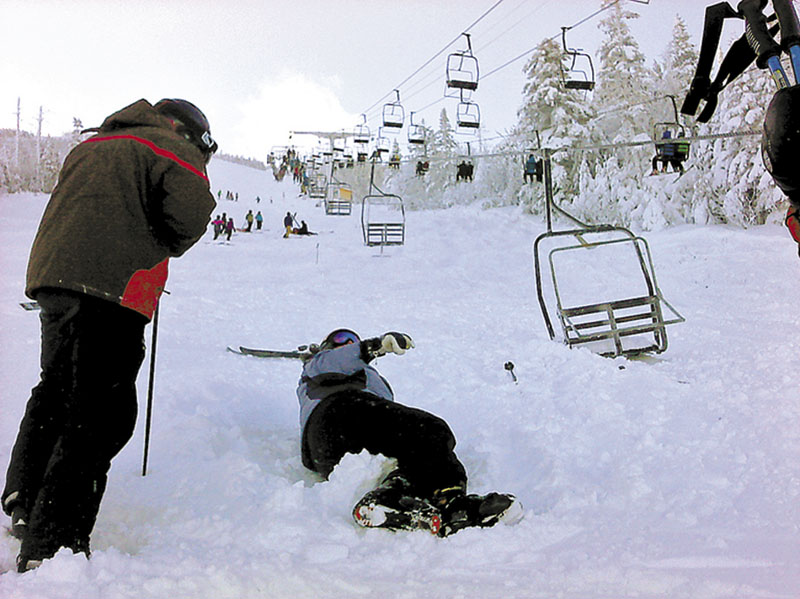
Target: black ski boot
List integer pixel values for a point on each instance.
(460, 510)
(19, 522)
(391, 505)
(19, 515)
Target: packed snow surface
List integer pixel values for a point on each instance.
(672, 477)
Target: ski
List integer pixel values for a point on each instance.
(271, 353)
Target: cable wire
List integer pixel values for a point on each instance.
(439, 53)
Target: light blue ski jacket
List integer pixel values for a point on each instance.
(339, 369)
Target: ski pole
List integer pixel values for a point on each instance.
(510, 367)
(149, 410)
(766, 48)
(790, 33)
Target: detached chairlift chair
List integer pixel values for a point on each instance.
(393, 113)
(462, 71)
(628, 318)
(383, 217)
(580, 74)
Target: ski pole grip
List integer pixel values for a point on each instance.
(757, 31)
(790, 28)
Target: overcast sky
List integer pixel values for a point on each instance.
(262, 68)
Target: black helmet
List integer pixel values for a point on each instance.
(190, 122)
(780, 143)
(339, 337)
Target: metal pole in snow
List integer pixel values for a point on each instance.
(149, 412)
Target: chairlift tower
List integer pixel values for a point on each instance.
(338, 196)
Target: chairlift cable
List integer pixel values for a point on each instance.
(493, 71)
(439, 53)
(528, 52)
(434, 77)
(610, 146)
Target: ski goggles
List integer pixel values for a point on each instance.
(339, 338)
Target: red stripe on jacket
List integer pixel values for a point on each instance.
(158, 150)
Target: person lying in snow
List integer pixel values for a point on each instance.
(346, 406)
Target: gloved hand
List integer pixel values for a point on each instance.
(396, 343)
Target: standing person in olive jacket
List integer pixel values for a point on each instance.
(127, 200)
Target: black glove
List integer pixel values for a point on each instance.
(394, 342)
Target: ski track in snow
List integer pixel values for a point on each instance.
(671, 478)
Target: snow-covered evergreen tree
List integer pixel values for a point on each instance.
(611, 179)
(558, 114)
(746, 193)
(622, 79)
(674, 73)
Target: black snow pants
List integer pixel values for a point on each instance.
(352, 421)
(79, 416)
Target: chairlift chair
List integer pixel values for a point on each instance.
(580, 74)
(670, 138)
(393, 113)
(629, 319)
(383, 220)
(361, 133)
(318, 186)
(462, 69)
(468, 117)
(382, 144)
(339, 199)
(416, 133)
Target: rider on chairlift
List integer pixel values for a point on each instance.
(671, 153)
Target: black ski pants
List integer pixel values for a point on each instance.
(352, 421)
(79, 416)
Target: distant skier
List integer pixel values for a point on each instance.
(249, 218)
(288, 221)
(259, 220)
(302, 229)
(218, 226)
(346, 406)
(229, 229)
(532, 169)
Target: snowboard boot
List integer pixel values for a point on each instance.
(460, 510)
(24, 564)
(393, 506)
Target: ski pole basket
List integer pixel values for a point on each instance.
(383, 220)
(339, 201)
(610, 262)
